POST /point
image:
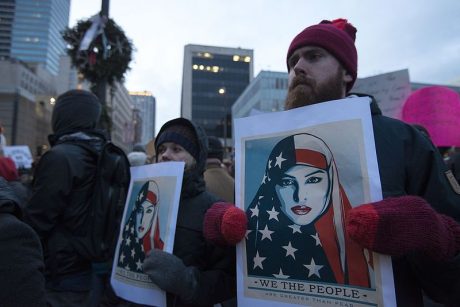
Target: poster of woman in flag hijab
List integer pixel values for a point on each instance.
(142, 229)
(306, 206)
(297, 182)
(149, 222)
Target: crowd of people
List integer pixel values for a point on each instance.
(417, 222)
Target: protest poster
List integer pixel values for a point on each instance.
(149, 221)
(390, 90)
(297, 174)
(20, 154)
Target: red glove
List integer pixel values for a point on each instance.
(401, 225)
(224, 224)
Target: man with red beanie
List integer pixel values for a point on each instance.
(417, 222)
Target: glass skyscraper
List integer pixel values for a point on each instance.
(36, 31)
(6, 26)
(266, 93)
(213, 79)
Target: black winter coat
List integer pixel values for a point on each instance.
(21, 258)
(409, 164)
(216, 266)
(59, 206)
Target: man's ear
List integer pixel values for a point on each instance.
(347, 77)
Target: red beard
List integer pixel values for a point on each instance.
(304, 91)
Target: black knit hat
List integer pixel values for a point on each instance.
(215, 148)
(182, 135)
(139, 148)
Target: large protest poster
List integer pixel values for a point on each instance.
(298, 172)
(149, 221)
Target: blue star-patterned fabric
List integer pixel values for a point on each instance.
(275, 246)
(132, 254)
(278, 248)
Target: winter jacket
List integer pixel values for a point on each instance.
(453, 163)
(21, 257)
(215, 266)
(218, 181)
(409, 164)
(58, 207)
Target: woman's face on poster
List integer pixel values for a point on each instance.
(303, 193)
(144, 218)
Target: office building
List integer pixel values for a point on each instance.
(6, 26)
(120, 108)
(145, 106)
(266, 93)
(213, 79)
(26, 101)
(30, 30)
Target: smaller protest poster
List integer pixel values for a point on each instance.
(149, 222)
(389, 89)
(20, 154)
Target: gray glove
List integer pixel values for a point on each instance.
(170, 274)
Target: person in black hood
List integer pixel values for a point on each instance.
(198, 273)
(61, 192)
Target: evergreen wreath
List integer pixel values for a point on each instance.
(108, 55)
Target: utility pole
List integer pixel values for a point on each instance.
(105, 8)
(101, 85)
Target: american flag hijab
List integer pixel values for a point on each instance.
(318, 251)
(133, 248)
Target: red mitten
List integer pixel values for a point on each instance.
(224, 224)
(401, 225)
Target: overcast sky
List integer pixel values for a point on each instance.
(422, 36)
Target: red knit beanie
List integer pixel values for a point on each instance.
(337, 37)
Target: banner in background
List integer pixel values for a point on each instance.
(20, 154)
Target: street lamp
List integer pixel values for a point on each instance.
(222, 92)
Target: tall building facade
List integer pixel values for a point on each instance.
(120, 107)
(213, 79)
(31, 31)
(6, 26)
(145, 105)
(266, 93)
(26, 101)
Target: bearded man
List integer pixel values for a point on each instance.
(417, 222)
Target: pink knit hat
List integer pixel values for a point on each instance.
(337, 37)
